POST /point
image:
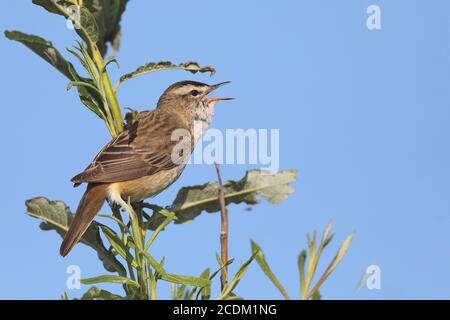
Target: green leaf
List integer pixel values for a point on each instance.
(51, 5)
(100, 19)
(173, 290)
(261, 260)
(118, 245)
(110, 279)
(206, 291)
(180, 290)
(89, 95)
(130, 117)
(301, 270)
(43, 48)
(316, 296)
(189, 295)
(108, 14)
(108, 216)
(89, 24)
(84, 21)
(326, 239)
(234, 298)
(110, 60)
(333, 264)
(186, 280)
(150, 67)
(95, 293)
(81, 84)
(57, 216)
(215, 273)
(88, 92)
(190, 202)
(227, 291)
(157, 266)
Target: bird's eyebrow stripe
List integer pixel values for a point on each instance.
(188, 88)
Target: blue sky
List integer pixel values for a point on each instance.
(363, 116)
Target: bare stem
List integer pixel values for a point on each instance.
(223, 230)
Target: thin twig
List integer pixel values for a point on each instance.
(223, 229)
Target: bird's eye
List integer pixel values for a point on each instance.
(194, 93)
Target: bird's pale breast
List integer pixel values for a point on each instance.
(145, 187)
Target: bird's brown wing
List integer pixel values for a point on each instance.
(145, 148)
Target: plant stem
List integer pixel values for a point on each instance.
(153, 280)
(223, 230)
(116, 213)
(111, 97)
(109, 91)
(137, 236)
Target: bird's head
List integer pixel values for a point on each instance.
(191, 96)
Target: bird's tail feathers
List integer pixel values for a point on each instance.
(89, 206)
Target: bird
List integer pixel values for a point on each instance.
(144, 159)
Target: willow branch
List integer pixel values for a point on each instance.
(223, 230)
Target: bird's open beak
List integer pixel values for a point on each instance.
(214, 87)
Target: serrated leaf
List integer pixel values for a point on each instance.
(52, 5)
(150, 67)
(108, 14)
(56, 216)
(89, 24)
(85, 23)
(100, 19)
(191, 201)
(43, 48)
